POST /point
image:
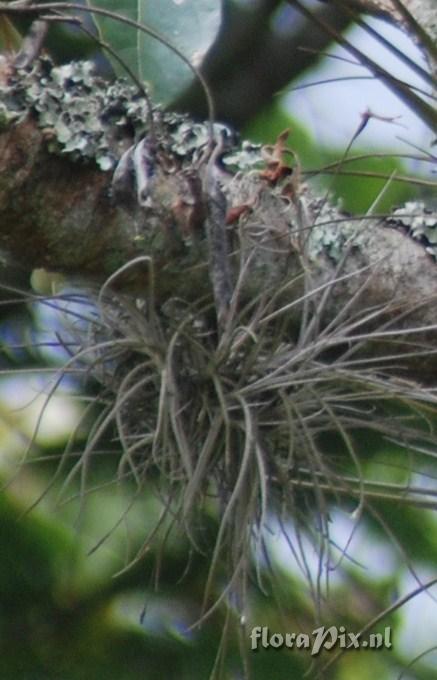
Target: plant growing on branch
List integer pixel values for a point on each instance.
(252, 348)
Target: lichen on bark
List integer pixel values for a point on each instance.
(66, 131)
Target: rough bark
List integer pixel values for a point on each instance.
(62, 134)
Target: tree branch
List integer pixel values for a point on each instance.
(59, 210)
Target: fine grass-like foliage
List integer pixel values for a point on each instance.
(280, 414)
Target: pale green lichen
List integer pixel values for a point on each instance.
(330, 232)
(247, 157)
(93, 119)
(87, 118)
(419, 222)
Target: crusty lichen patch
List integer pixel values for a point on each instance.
(82, 115)
(89, 118)
(419, 222)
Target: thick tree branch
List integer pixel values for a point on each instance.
(55, 213)
(58, 210)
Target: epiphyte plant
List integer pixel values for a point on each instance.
(249, 359)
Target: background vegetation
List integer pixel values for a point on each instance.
(80, 598)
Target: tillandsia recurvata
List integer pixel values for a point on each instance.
(273, 342)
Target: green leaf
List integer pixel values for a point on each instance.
(190, 26)
(10, 39)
